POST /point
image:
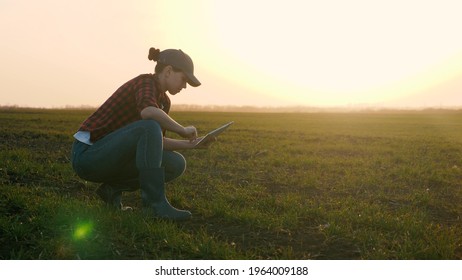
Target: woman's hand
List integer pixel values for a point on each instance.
(204, 144)
(189, 132)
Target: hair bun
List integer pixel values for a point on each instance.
(154, 54)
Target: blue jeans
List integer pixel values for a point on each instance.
(116, 158)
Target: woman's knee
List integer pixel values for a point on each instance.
(178, 164)
(150, 129)
(150, 125)
(174, 164)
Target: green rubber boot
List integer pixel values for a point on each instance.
(155, 203)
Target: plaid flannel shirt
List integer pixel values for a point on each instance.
(125, 106)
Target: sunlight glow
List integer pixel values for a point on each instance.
(260, 53)
(342, 50)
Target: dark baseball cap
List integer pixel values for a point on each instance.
(180, 60)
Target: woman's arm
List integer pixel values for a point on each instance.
(166, 122)
(178, 144)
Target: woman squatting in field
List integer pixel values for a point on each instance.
(123, 145)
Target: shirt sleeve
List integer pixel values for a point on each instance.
(146, 94)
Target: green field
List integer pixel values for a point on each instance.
(378, 185)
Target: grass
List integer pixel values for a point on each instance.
(383, 185)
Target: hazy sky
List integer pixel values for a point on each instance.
(263, 53)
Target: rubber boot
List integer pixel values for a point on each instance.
(112, 195)
(155, 203)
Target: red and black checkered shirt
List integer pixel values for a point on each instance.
(125, 106)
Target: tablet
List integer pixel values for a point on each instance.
(214, 133)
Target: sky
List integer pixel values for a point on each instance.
(406, 53)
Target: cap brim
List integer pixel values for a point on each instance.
(192, 80)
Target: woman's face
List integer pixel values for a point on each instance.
(176, 81)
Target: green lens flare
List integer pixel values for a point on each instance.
(83, 230)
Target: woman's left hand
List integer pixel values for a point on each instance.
(205, 144)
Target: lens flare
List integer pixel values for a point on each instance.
(83, 230)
